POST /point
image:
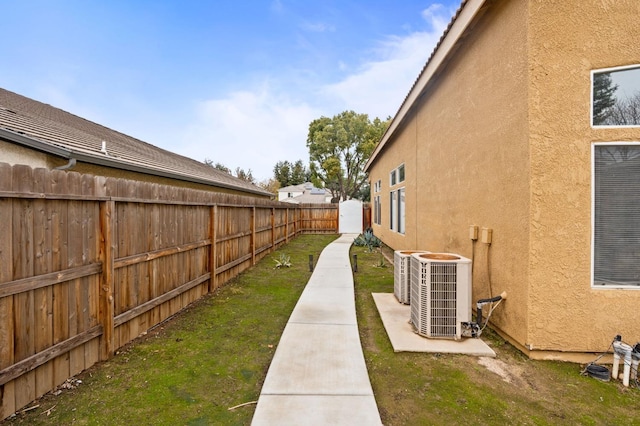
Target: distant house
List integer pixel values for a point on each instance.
(40, 135)
(499, 131)
(303, 193)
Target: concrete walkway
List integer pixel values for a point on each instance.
(318, 375)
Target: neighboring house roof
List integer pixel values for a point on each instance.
(309, 193)
(298, 188)
(466, 13)
(48, 129)
(307, 199)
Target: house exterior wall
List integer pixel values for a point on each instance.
(15, 154)
(568, 40)
(283, 195)
(142, 177)
(403, 152)
(466, 157)
(501, 138)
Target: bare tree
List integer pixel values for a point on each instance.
(625, 112)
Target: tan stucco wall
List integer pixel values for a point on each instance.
(470, 163)
(502, 139)
(125, 174)
(403, 152)
(15, 154)
(568, 39)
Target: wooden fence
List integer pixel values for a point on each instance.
(89, 263)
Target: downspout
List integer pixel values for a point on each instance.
(69, 165)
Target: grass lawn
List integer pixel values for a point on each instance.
(215, 355)
(193, 368)
(434, 389)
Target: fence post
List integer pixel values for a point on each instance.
(213, 228)
(106, 308)
(273, 228)
(286, 227)
(253, 235)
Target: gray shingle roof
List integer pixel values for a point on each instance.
(82, 139)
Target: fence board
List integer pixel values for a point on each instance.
(57, 184)
(7, 390)
(75, 252)
(43, 297)
(24, 309)
(88, 263)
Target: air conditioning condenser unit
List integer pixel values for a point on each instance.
(440, 294)
(402, 274)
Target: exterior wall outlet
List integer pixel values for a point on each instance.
(473, 232)
(486, 235)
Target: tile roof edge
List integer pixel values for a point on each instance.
(107, 161)
(473, 6)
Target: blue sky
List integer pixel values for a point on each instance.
(237, 82)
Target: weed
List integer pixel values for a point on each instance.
(283, 260)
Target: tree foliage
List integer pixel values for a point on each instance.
(246, 176)
(339, 148)
(218, 166)
(288, 173)
(603, 97)
(240, 173)
(271, 185)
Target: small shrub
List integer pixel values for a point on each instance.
(368, 240)
(283, 260)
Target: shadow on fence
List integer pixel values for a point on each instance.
(89, 263)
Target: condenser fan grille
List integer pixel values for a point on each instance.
(440, 294)
(442, 299)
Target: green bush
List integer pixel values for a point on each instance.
(368, 240)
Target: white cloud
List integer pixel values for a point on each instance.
(437, 16)
(318, 27)
(380, 85)
(250, 129)
(257, 127)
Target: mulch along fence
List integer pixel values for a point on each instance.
(89, 263)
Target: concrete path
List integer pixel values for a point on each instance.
(318, 375)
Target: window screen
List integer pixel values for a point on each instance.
(616, 251)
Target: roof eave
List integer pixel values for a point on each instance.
(457, 28)
(115, 163)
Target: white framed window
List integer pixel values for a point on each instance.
(615, 97)
(401, 210)
(376, 210)
(615, 215)
(397, 175)
(393, 210)
(397, 210)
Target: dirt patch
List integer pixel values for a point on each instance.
(510, 373)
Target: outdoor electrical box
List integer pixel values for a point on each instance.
(473, 232)
(486, 235)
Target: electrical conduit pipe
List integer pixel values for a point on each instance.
(635, 360)
(622, 350)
